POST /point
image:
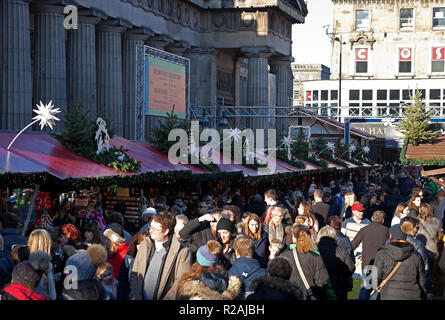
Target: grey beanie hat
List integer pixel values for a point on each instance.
(84, 263)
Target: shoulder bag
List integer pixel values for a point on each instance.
(376, 291)
(300, 271)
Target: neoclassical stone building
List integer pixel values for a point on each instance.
(95, 64)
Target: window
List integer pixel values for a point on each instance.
(334, 94)
(362, 20)
(434, 94)
(366, 94)
(438, 17)
(407, 94)
(308, 95)
(382, 94)
(324, 95)
(361, 60)
(394, 94)
(438, 59)
(354, 94)
(405, 60)
(406, 19)
(315, 95)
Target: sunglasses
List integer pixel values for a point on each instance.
(202, 207)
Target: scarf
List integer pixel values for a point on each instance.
(21, 292)
(276, 231)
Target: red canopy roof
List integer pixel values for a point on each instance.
(152, 160)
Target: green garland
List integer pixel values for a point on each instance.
(293, 161)
(317, 161)
(13, 180)
(110, 158)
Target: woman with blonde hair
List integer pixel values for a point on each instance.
(400, 213)
(254, 230)
(40, 240)
(346, 211)
(312, 266)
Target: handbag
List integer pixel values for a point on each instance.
(300, 271)
(373, 295)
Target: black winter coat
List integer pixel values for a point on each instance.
(339, 264)
(196, 234)
(274, 288)
(409, 281)
(314, 270)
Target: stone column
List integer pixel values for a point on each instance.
(202, 76)
(81, 66)
(281, 67)
(132, 117)
(109, 73)
(160, 41)
(258, 83)
(50, 58)
(15, 65)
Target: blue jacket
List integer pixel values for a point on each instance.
(247, 269)
(6, 266)
(12, 236)
(261, 247)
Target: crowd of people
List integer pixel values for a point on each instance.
(285, 244)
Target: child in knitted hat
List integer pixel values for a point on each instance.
(207, 280)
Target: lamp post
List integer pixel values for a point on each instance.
(340, 40)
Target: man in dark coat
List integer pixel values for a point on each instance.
(320, 208)
(10, 233)
(409, 281)
(197, 232)
(372, 237)
(275, 285)
(245, 266)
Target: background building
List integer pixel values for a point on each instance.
(387, 49)
(306, 72)
(95, 64)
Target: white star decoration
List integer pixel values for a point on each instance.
(366, 149)
(352, 147)
(330, 145)
(287, 141)
(388, 122)
(235, 134)
(45, 114)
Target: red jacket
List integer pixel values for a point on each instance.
(117, 258)
(21, 292)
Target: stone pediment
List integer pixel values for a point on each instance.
(362, 39)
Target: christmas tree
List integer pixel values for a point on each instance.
(160, 135)
(415, 124)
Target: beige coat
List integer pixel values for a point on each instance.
(177, 263)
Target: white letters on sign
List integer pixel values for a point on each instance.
(438, 53)
(405, 54)
(361, 54)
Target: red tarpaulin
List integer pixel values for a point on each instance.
(152, 160)
(43, 153)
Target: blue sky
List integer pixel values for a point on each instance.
(310, 43)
